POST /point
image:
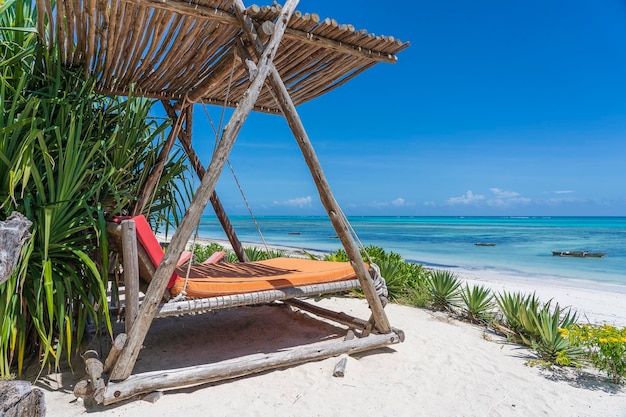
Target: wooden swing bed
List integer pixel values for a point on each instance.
(269, 59)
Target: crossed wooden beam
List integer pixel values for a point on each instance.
(263, 71)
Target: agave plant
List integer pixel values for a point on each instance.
(550, 344)
(443, 290)
(477, 303)
(518, 311)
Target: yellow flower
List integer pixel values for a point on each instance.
(602, 340)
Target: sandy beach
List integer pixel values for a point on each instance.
(445, 367)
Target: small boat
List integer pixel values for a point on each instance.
(484, 244)
(578, 254)
(293, 233)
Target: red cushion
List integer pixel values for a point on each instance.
(148, 240)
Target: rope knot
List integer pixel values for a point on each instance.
(379, 283)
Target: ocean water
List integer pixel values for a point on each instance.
(523, 245)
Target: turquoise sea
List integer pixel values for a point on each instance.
(523, 245)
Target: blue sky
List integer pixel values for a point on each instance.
(496, 108)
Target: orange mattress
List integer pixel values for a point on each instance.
(238, 278)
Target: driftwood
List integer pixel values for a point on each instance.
(13, 235)
(19, 399)
(340, 368)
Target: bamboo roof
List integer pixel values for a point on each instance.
(186, 49)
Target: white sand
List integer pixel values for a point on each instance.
(444, 367)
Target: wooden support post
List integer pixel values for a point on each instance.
(234, 368)
(131, 272)
(220, 212)
(124, 366)
(328, 200)
(157, 170)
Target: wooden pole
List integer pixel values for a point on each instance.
(328, 200)
(157, 170)
(124, 366)
(234, 368)
(131, 272)
(220, 212)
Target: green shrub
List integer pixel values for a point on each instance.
(443, 290)
(604, 346)
(477, 303)
(339, 256)
(378, 254)
(202, 253)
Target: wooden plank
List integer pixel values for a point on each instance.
(328, 200)
(131, 272)
(234, 368)
(124, 366)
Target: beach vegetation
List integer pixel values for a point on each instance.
(202, 252)
(339, 255)
(537, 325)
(550, 344)
(517, 311)
(255, 253)
(604, 347)
(478, 305)
(69, 159)
(443, 289)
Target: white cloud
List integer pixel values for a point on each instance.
(503, 194)
(507, 202)
(468, 198)
(564, 192)
(398, 202)
(299, 202)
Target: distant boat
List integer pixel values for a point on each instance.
(293, 233)
(578, 254)
(484, 244)
(333, 237)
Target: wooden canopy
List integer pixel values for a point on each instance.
(187, 49)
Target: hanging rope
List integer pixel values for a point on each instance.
(218, 138)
